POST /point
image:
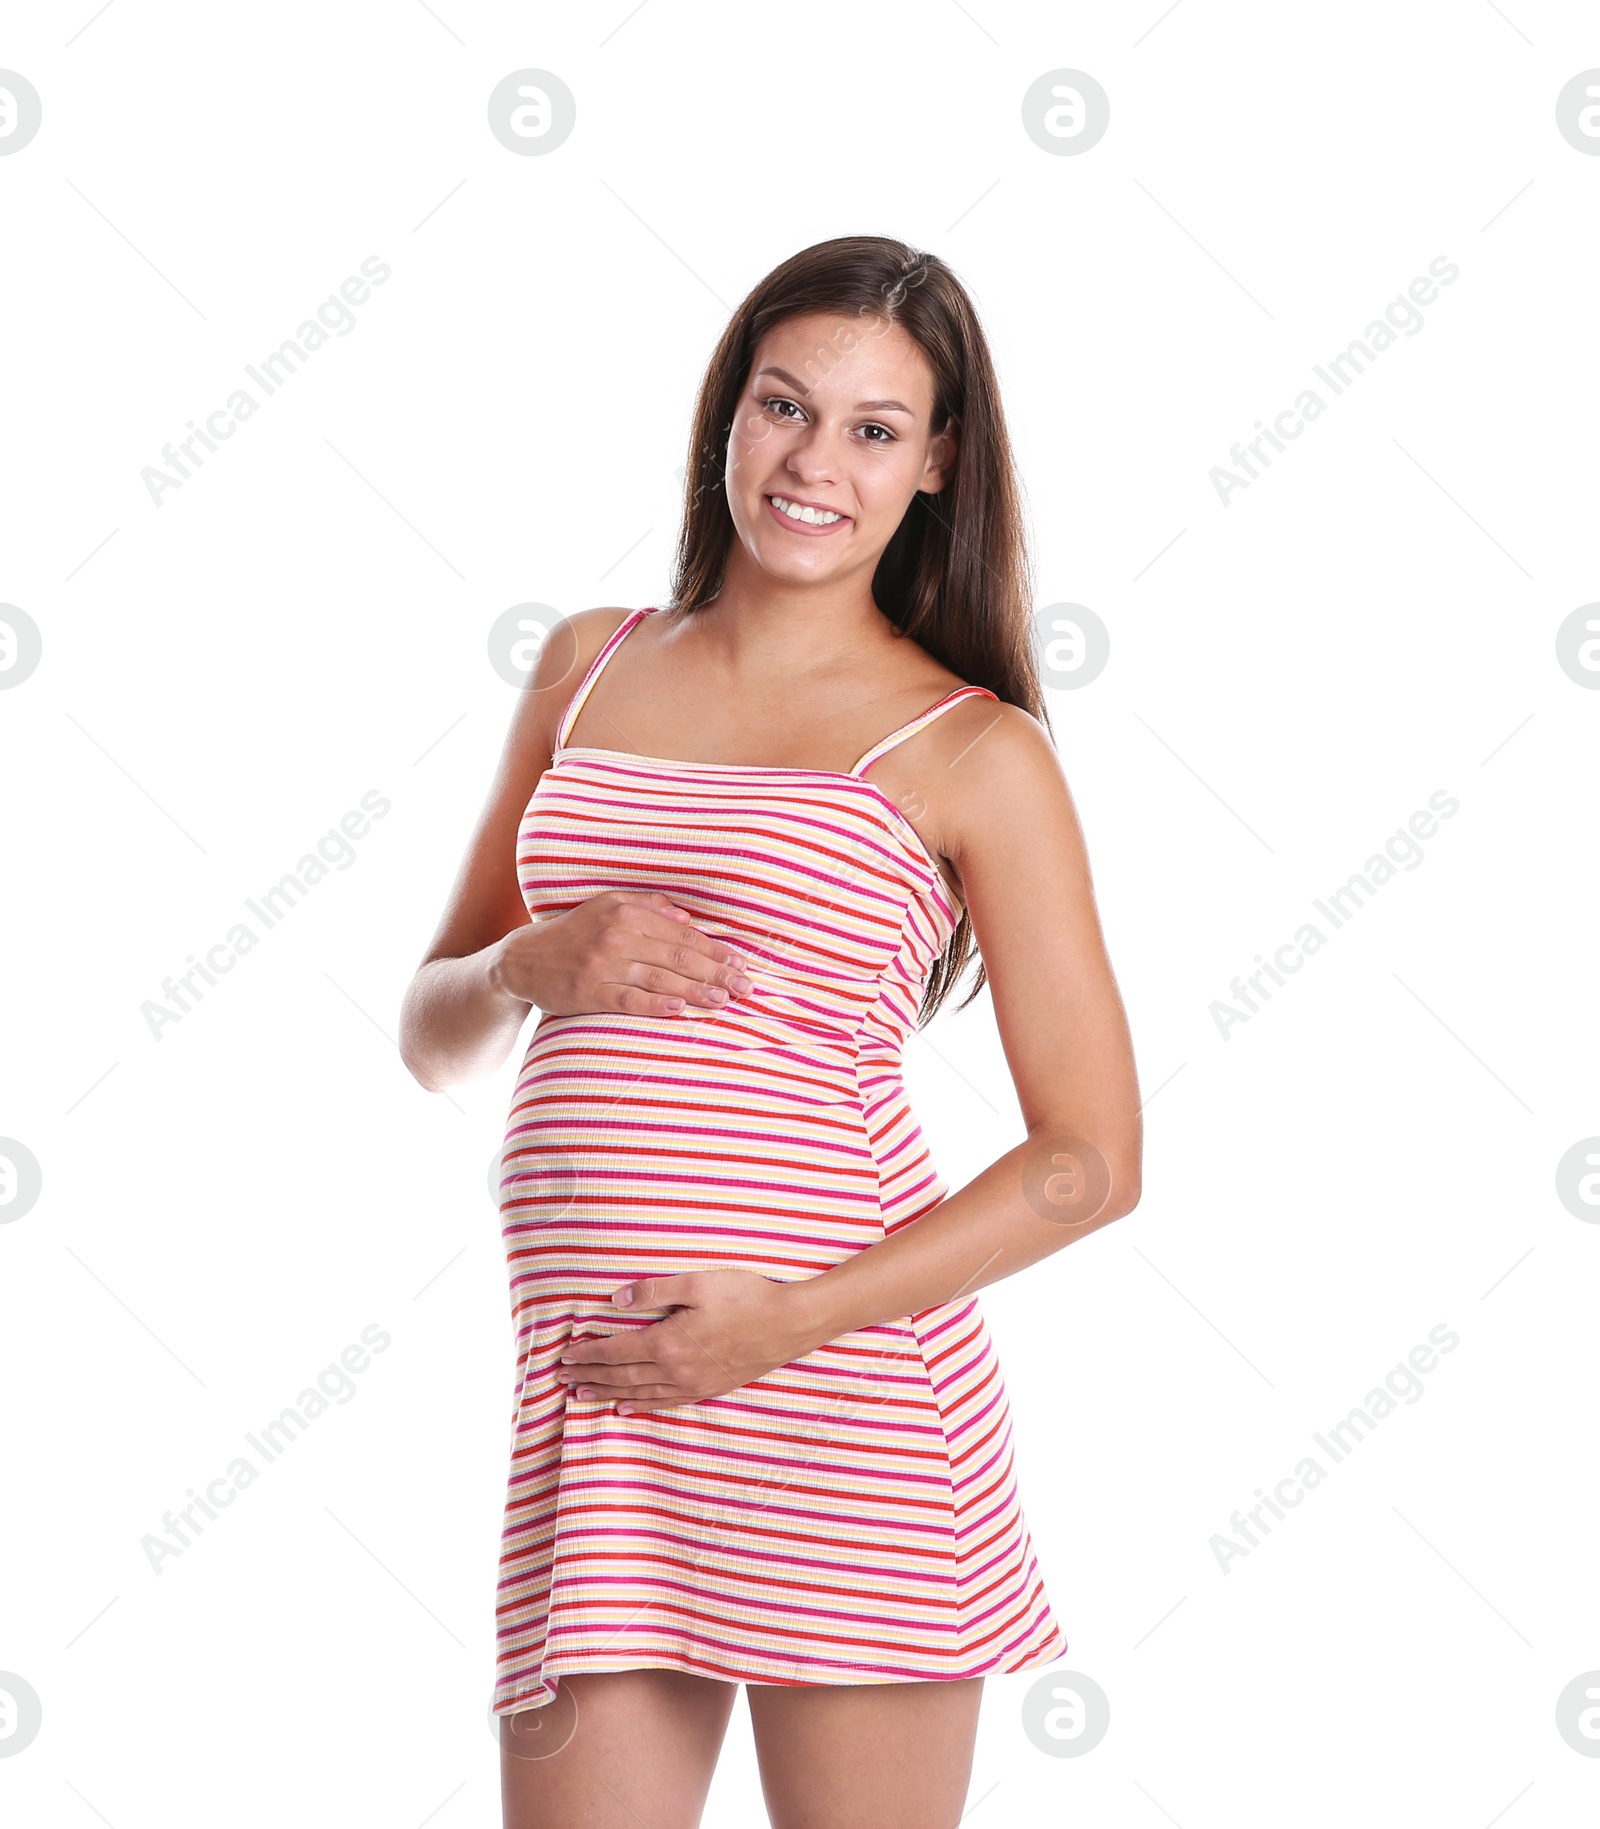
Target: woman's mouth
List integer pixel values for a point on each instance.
(805, 517)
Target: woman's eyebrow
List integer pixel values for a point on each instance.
(862, 406)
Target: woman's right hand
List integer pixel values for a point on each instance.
(630, 950)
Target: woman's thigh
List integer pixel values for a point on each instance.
(892, 1755)
(615, 1749)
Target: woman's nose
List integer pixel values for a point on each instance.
(816, 457)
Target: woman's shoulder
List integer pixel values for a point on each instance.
(590, 630)
(920, 681)
(994, 741)
(566, 653)
(572, 646)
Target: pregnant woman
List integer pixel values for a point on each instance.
(740, 847)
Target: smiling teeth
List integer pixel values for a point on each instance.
(819, 517)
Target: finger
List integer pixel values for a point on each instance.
(606, 1382)
(650, 912)
(651, 898)
(672, 991)
(668, 1291)
(604, 1352)
(659, 1392)
(650, 924)
(632, 1001)
(678, 969)
(664, 920)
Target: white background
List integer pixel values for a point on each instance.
(1373, 619)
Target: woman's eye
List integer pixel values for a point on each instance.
(776, 404)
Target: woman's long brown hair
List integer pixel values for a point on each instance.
(956, 576)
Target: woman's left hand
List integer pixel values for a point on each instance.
(727, 1327)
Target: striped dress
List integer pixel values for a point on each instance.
(853, 1516)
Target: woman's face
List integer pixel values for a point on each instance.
(834, 418)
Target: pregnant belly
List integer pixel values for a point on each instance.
(642, 1142)
(593, 1196)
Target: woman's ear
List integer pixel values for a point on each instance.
(942, 449)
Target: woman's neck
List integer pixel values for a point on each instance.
(762, 625)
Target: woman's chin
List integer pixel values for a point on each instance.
(798, 560)
(785, 569)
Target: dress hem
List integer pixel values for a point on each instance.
(1048, 1653)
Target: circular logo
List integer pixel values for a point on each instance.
(531, 111)
(1577, 1714)
(517, 638)
(537, 1733)
(541, 1181)
(1072, 643)
(1577, 645)
(20, 645)
(20, 1179)
(1066, 1713)
(1065, 1180)
(1065, 111)
(20, 111)
(1577, 111)
(20, 1713)
(1578, 1180)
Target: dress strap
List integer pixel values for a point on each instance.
(899, 736)
(586, 684)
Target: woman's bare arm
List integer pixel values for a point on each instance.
(457, 1021)
(488, 964)
(1008, 822)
